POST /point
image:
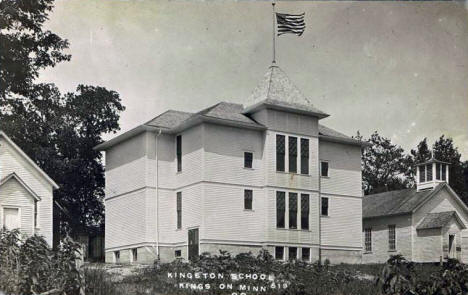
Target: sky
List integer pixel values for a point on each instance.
(399, 68)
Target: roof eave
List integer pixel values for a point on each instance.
(208, 119)
(349, 141)
(265, 105)
(127, 135)
(28, 189)
(386, 215)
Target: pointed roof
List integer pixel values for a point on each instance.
(13, 175)
(439, 220)
(277, 91)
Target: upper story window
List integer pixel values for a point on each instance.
(179, 210)
(280, 209)
(429, 172)
(179, 152)
(293, 210)
(280, 152)
(368, 240)
(438, 168)
(248, 158)
(324, 208)
(324, 169)
(304, 211)
(422, 173)
(292, 145)
(392, 237)
(304, 156)
(248, 199)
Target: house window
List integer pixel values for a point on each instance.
(11, 218)
(304, 156)
(279, 253)
(438, 171)
(292, 253)
(444, 172)
(324, 206)
(304, 211)
(391, 238)
(292, 210)
(179, 210)
(280, 152)
(368, 239)
(178, 253)
(292, 151)
(248, 197)
(135, 255)
(324, 169)
(280, 209)
(422, 173)
(179, 152)
(35, 214)
(248, 157)
(305, 254)
(429, 172)
(117, 256)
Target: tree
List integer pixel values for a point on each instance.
(384, 165)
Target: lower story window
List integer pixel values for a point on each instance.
(135, 255)
(392, 237)
(279, 253)
(305, 254)
(178, 253)
(368, 239)
(292, 253)
(117, 256)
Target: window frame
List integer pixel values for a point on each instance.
(302, 254)
(422, 173)
(179, 252)
(305, 197)
(2, 216)
(304, 159)
(292, 212)
(292, 154)
(368, 240)
(117, 256)
(281, 210)
(276, 252)
(289, 253)
(179, 152)
(246, 199)
(251, 159)
(321, 168)
(179, 210)
(322, 207)
(429, 175)
(280, 157)
(392, 240)
(134, 254)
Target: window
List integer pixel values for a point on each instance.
(422, 173)
(117, 256)
(135, 255)
(35, 214)
(292, 210)
(438, 171)
(292, 145)
(368, 239)
(179, 210)
(11, 218)
(444, 172)
(324, 169)
(248, 196)
(391, 238)
(248, 157)
(305, 254)
(279, 253)
(292, 253)
(304, 156)
(429, 172)
(280, 152)
(179, 152)
(280, 209)
(178, 253)
(304, 211)
(324, 206)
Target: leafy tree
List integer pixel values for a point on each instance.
(384, 165)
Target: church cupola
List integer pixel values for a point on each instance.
(429, 174)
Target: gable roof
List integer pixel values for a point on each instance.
(15, 176)
(329, 134)
(168, 119)
(29, 160)
(277, 91)
(439, 220)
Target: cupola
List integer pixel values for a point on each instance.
(429, 174)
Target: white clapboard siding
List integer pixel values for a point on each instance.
(14, 195)
(287, 122)
(428, 246)
(11, 161)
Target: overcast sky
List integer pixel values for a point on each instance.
(400, 68)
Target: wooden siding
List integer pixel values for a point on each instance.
(287, 122)
(13, 162)
(428, 245)
(14, 195)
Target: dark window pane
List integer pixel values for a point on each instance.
(368, 239)
(438, 171)
(280, 209)
(391, 238)
(178, 253)
(429, 172)
(179, 210)
(304, 156)
(292, 210)
(306, 254)
(279, 253)
(248, 158)
(292, 253)
(304, 211)
(325, 206)
(248, 197)
(292, 143)
(422, 173)
(324, 168)
(444, 172)
(179, 152)
(280, 152)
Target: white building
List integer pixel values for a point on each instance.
(234, 178)
(25, 192)
(424, 224)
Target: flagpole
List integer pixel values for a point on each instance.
(274, 33)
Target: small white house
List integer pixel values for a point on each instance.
(424, 224)
(25, 192)
(238, 178)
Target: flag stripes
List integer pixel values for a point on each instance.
(290, 23)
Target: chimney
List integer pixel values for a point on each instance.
(429, 174)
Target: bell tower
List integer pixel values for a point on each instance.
(429, 174)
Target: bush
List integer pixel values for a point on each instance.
(29, 266)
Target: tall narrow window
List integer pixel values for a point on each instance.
(279, 253)
(292, 253)
(280, 209)
(35, 214)
(422, 173)
(179, 210)
(248, 158)
(429, 172)
(306, 254)
(292, 145)
(248, 197)
(179, 152)
(292, 210)
(391, 238)
(324, 169)
(304, 211)
(368, 239)
(117, 256)
(280, 152)
(444, 172)
(304, 156)
(134, 255)
(324, 206)
(438, 171)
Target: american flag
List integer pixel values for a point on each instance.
(290, 23)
